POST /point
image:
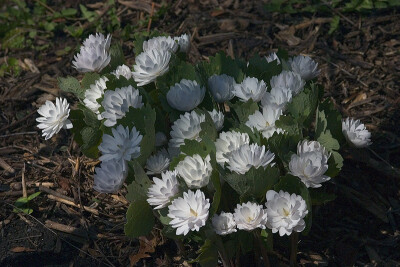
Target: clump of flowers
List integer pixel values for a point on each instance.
(253, 139)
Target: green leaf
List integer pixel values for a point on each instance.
(76, 116)
(303, 106)
(208, 254)
(283, 145)
(216, 182)
(289, 124)
(140, 219)
(334, 24)
(137, 189)
(203, 148)
(259, 68)
(292, 184)
(208, 130)
(71, 85)
(319, 197)
(89, 79)
(335, 164)
(34, 195)
(255, 183)
(329, 118)
(117, 58)
(69, 12)
(244, 109)
(328, 141)
(91, 140)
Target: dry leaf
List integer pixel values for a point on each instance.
(146, 246)
(288, 36)
(21, 249)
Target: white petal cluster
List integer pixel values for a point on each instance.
(221, 87)
(356, 133)
(185, 95)
(250, 216)
(161, 192)
(186, 127)
(272, 57)
(124, 71)
(122, 145)
(224, 223)
(96, 91)
(160, 43)
(304, 66)
(189, 213)
(228, 142)
(277, 98)
(161, 139)
(290, 80)
(158, 163)
(110, 176)
(250, 88)
(54, 117)
(183, 42)
(195, 171)
(286, 212)
(310, 163)
(150, 65)
(265, 121)
(218, 119)
(93, 55)
(117, 103)
(247, 156)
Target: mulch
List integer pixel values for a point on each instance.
(72, 225)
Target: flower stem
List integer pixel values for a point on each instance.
(294, 240)
(263, 250)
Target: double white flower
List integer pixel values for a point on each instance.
(54, 117)
(247, 156)
(356, 133)
(189, 213)
(250, 88)
(183, 42)
(310, 163)
(289, 80)
(218, 119)
(285, 212)
(265, 121)
(110, 176)
(228, 142)
(93, 55)
(249, 216)
(304, 66)
(124, 71)
(96, 91)
(195, 171)
(185, 95)
(224, 223)
(221, 87)
(158, 163)
(272, 57)
(186, 127)
(161, 192)
(117, 103)
(277, 98)
(160, 43)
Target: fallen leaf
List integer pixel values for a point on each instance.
(146, 246)
(288, 36)
(21, 249)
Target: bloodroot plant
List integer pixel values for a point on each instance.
(224, 153)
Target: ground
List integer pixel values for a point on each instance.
(360, 71)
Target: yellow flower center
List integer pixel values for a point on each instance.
(286, 212)
(194, 213)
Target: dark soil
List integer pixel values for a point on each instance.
(360, 71)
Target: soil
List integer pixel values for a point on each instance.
(360, 71)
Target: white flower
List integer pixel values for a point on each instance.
(272, 57)
(110, 176)
(277, 98)
(289, 80)
(160, 43)
(250, 88)
(186, 127)
(123, 70)
(117, 103)
(195, 171)
(93, 55)
(310, 163)
(250, 216)
(183, 42)
(189, 213)
(247, 156)
(185, 95)
(123, 145)
(161, 192)
(228, 142)
(54, 117)
(218, 119)
(355, 132)
(305, 66)
(221, 87)
(224, 223)
(265, 121)
(95, 92)
(149, 65)
(285, 212)
(161, 139)
(158, 163)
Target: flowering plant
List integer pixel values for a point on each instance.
(225, 153)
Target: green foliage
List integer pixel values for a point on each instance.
(138, 187)
(11, 66)
(22, 204)
(139, 219)
(259, 68)
(117, 58)
(208, 254)
(208, 130)
(303, 106)
(89, 79)
(283, 146)
(71, 85)
(320, 197)
(244, 109)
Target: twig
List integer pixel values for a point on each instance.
(263, 250)
(23, 183)
(6, 166)
(96, 212)
(2, 130)
(16, 193)
(294, 239)
(15, 134)
(55, 193)
(151, 17)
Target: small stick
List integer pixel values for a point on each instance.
(16, 185)
(151, 16)
(15, 134)
(24, 193)
(55, 193)
(16, 193)
(62, 200)
(294, 239)
(6, 166)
